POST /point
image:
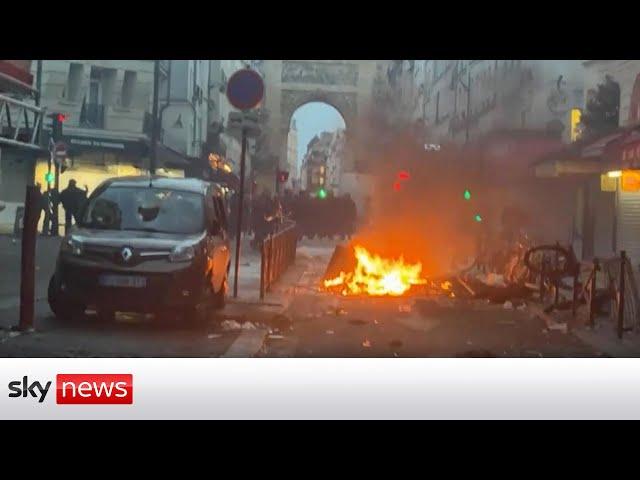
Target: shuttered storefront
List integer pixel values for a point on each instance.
(629, 225)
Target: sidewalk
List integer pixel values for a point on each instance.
(10, 255)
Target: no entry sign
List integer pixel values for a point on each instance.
(245, 89)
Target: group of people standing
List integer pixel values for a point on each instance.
(72, 199)
(330, 216)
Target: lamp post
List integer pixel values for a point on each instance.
(154, 121)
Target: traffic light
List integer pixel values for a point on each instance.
(477, 217)
(48, 177)
(56, 126)
(322, 193)
(403, 175)
(467, 194)
(397, 186)
(283, 176)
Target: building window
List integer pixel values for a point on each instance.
(128, 88)
(74, 81)
(95, 86)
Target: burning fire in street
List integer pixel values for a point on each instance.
(377, 276)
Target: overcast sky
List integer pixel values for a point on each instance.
(313, 118)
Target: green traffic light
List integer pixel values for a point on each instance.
(467, 195)
(322, 193)
(48, 177)
(477, 217)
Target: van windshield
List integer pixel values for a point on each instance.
(145, 209)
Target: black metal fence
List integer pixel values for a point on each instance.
(278, 253)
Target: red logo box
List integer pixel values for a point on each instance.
(94, 389)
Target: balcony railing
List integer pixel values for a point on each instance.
(92, 115)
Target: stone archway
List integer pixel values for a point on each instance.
(346, 85)
(634, 105)
(343, 102)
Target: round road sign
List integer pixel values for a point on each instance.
(245, 89)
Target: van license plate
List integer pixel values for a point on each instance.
(122, 281)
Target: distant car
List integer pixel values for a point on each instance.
(145, 244)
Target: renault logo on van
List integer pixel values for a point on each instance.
(126, 254)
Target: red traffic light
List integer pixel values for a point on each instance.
(403, 175)
(283, 176)
(397, 186)
(62, 117)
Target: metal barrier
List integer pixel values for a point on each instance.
(621, 291)
(278, 252)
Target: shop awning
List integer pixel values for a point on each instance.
(624, 152)
(168, 157)
(579, 158)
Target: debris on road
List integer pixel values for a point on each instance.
(507, 305)
(211, 336)
(405, 308)
(248, 326)
(366, 343)
(329, 332)
(562, 327)
(228, 325)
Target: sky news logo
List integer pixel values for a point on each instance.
(78, 389)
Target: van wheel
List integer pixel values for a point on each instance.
(60, 305)
(198, 313)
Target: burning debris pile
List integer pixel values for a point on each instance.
(376, 276)
(354, 270)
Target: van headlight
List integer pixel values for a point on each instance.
(72, 245)
(182, 253)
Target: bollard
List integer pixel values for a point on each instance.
(28, 258)
(556, 282)
(543, 270)
(592, 296)
(262, 270)
(623, 261)
(574, 304)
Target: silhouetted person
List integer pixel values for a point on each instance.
(72, 199)
(350, 215)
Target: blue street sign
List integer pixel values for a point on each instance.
(245, 89)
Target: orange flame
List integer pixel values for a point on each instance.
(377, 276)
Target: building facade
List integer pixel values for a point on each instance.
(313, 171)
(184, 107)
(292, 157)
(462, 100)
(607, 207)
(335, 161)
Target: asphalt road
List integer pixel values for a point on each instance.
(311, 323)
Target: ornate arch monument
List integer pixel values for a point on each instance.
(346, 85)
